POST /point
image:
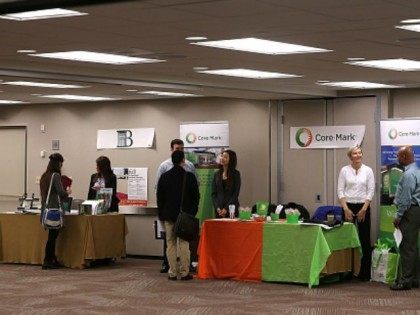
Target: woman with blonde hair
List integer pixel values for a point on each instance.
(355, 190)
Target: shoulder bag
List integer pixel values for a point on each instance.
(186, 226)
(52, 218)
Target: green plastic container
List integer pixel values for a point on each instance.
(245, 215)
(292, 218)
(274, 216)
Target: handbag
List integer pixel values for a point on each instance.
(186, 225)
(52, 218)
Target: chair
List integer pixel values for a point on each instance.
(322, 212)
(304, 214)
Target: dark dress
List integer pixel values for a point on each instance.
(224, 194)
(110, 183)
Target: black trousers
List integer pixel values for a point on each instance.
(364, 236)
(50, 246)
(409, 250)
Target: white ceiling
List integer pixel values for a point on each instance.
(158, 28)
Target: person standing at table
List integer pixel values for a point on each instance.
(226, 185)
(104, 178)
(355, 189)
(177, 145)
(52, 177)
(407, 200)
(177, 190)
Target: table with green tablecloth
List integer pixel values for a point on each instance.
(279, 252)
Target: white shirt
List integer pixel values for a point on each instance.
(356, 187)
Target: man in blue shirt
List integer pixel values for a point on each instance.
(407, 200)
(176, 145)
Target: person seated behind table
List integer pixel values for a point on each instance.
(104, 178)
(226, 185)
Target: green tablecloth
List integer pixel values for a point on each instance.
(312, 245)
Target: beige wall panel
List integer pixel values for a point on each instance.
(75, 125)
(406, 103)
(12, 161)
(303, 170)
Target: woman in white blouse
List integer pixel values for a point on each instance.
(355, 189)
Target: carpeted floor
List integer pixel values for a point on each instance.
(135, 286)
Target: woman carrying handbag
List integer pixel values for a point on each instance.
(51, 190)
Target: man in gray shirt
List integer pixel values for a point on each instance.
(176, 145)
(407, 200)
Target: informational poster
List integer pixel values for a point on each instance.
(204, 154)
(125, 138)
(136, 181)
(394, 135)
(326, 137)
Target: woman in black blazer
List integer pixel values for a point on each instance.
(226, 185)
(104, 178)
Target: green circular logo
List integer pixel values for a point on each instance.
(303, 137)
(190, 137)
(393, 133)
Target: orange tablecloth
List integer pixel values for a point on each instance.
(236, 254)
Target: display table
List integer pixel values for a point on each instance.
(83, 239)
(276, 251)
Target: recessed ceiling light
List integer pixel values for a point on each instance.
(36, 94)
(26, 51)
(89, 56)
(174, 94)
(412, 27)
(44, 85)
(261, 46)
(200, 68)
(389, 64)
(322, 81)
(41, 14)
(11, 102)
(359, 85)
(196, 38)
(80, 97)
(410, 21)
(132, 90)
(250, 74)
(355, 58)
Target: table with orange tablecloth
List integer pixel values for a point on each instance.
(83, 239)
(247, 250)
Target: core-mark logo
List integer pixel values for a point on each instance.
(303, 137)
(393, 133)
(190, 137)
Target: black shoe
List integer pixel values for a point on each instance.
(49, 266)
(415, 284)
(173, 278)
(164, 269)
(400, 286)
(187, 277)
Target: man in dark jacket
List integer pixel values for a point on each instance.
(176, 186)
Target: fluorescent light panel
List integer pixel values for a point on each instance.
(90, 56)
(79, 97)
(41, 14)
(358, 85)
(44, 85)
(261, 46)
(410, 21)
(250, 74)
(389, 64)
(174, 94)
(412, 27)
(10, 102)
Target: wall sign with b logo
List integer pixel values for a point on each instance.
(125, 139)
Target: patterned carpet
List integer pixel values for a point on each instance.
(135, 286)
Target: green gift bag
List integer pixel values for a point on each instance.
(384, 266)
